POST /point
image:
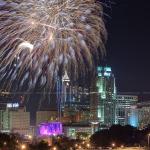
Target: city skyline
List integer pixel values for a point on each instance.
(74, 74)
(128, 44)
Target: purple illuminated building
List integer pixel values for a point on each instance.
(50, 129)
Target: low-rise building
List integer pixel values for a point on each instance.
(16, 121)
(45, 116)
(77, 131)
(144, 114)
(124, 106)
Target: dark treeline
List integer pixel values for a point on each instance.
(121, 135)
(15, 142)
(9, 141)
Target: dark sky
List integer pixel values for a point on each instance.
(128, 46)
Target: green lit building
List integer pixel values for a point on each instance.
(103, 100)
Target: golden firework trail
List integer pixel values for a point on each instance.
(40, 38)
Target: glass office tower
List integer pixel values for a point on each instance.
(103, 102)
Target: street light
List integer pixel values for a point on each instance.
(30, 137)
(88, 145)
(113, 144)
(148, 139)
(54, 148)
(80, 147)
(23, 147)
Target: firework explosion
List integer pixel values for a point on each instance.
(40, 38)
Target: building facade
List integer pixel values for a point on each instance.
(45, 116)
(144, 114)
(16, 121)
(77, 131)
(75, 102)
(131, 116)
(125, 105)
(103, 98)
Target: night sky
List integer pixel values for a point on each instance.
(128, 46)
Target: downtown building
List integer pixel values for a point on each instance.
(126, 109)
(75, 102)
(43, 116)
(144, 114)
(73, 109)
(5, 98)
(16, 119)
(103, 99)
(8, 103)
(144, 109)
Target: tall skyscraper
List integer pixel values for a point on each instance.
(74, 101)
(66, 91)
(103, 98)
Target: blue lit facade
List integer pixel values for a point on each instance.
(124, 108)
(132, 116)
(133, 120)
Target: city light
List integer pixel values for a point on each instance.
(148, 139)
(12, 105)
(55, 91)
(113, 144)
(54, 148)
(79, 147)
(30, 137)
(23, 147)
(88, 145)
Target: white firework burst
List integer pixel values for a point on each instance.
(40, 38)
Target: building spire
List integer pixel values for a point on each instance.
(65, 77)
